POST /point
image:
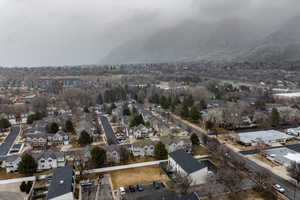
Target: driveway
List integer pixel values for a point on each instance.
(11, 191)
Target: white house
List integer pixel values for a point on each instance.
(10, 163)
(186, 165)
(141, 131)
(50, 159)
(143, 148)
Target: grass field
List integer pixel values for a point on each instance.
(139, 175)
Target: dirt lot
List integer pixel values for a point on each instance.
(248, 195)
(141, 175)
(11, 192)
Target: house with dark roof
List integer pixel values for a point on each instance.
(186, 165)
(62, 186)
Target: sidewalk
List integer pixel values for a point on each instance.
(120, 167)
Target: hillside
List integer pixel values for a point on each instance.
(188, 41)
(281, 45)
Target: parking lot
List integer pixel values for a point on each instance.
(149, 192)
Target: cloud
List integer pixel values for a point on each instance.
(58, 32)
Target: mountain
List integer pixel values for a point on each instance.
(187, 41)
(230, 39)
(281, 45)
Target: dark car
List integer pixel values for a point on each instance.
(139, 188)
(131, 188)
(156, 185)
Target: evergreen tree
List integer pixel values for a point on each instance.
(4, 124)
(23, 186)
(52, 128)
(209, 125)
(275, 117)
(27, 165)
(195, 139)
(28, 186)
(137, 120)
(160, 151)
(99, 99)
(98, 156)
(184, 112)
(203, 104)
(194, 114)
(69, 127)
(188, 101)
(126, 111)
(84, 138)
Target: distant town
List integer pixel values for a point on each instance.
(150, 131)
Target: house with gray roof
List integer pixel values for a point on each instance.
(62, 186)
(141, 131)
(113, 153)
(185, 165)
(143, 148)
(10, 163)
(49, 159)
(173, 144)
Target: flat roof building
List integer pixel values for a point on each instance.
(268, 137)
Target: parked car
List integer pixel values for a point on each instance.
(122, 191)
(131, 188)
(279, 188)
(156, 185)
(139, 188)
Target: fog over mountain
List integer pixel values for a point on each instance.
(61, 32)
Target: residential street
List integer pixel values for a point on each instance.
(250, 165)
(9, 140)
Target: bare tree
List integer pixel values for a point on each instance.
(182, 183)
(294, 172)
(39, 104)
(230, 178)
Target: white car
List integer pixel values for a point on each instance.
(122, 190)
(279, 188)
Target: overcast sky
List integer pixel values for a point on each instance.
(61, 32)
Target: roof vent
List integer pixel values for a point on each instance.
(61, 182)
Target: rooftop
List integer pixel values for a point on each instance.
(266, 136)
(62, 182)
(188, 163)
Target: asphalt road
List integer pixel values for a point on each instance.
(109, 133)
(295, 147)
(249, 164)
(9, 140)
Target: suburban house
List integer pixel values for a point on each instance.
(45, 160)
(141, 131)
(113, 153)
(143, 148)
(10, 163)
(173, 144)
(186, 165)
(50, 159)
(62, 186)
(38, 139)
(41, 139)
